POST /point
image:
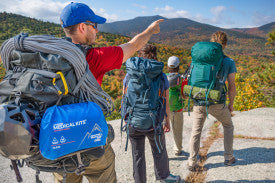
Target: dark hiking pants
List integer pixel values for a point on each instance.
(161, 162)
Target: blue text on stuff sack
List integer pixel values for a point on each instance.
(70, 128)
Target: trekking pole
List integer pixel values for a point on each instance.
(16, 170)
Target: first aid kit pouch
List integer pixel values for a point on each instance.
(70, 128)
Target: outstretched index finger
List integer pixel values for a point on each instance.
(159, 20)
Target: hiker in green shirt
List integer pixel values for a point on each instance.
(175, 102)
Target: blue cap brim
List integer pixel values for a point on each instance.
(98, 19)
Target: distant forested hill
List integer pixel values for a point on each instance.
(259, 31)
(178, 32)
(12, 24)
(183, 32)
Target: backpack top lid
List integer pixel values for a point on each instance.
(207, 53)
(138, 66)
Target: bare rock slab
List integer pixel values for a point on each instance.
(255, 123)
(255, 162)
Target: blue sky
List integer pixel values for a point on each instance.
(221, 13)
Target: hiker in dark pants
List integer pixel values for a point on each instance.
(137, 137)
(80, 24)
(220, 111)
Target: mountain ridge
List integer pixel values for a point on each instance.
(142, 22)
(178, 32)
(184, 33)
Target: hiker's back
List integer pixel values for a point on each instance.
(143, 101)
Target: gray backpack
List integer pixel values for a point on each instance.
(42, 71)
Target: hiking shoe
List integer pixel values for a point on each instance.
(193, 168)
(171, 178)
(229, 162)
(178, 153)
(181, 153)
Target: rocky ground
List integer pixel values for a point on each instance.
(254, 149)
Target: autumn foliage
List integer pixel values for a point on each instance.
(255, 78)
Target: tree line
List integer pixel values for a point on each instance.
(255, 79)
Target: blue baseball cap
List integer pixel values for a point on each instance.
(75, 13)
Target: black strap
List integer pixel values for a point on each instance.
(16, 171)
(37, 180)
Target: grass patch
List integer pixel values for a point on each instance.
(257, 138)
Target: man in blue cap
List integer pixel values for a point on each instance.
(80, 24)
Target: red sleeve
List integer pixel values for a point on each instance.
(104, 59)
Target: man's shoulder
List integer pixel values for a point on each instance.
(106, 48)
(229, 62)
(228, 59)
(229, 65)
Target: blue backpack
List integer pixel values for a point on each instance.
(143, 104)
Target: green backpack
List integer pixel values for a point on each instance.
(204, 84)
(175, 98)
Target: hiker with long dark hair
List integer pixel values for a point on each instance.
(80, 25)
(139, 112)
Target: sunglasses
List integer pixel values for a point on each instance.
(92, 24)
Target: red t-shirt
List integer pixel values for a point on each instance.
(104, 59)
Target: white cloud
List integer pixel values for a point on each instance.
(218, 14)
(103, 13)
(260, 19)
(47, 10)
(170, 12)
(217, 11)
(218, 17)
(139, 6)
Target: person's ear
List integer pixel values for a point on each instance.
(81, 27)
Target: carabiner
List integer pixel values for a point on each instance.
(64, 83)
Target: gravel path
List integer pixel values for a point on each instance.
(256, 158)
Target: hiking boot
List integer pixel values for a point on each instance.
(171, 178)
(178, 153)
(229, 162)
(181, 153)
(193, 168)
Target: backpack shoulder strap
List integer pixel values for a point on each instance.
(125, 87)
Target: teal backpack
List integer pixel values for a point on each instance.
(143, 104)
(205, 84)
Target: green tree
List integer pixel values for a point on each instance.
(271, 39)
